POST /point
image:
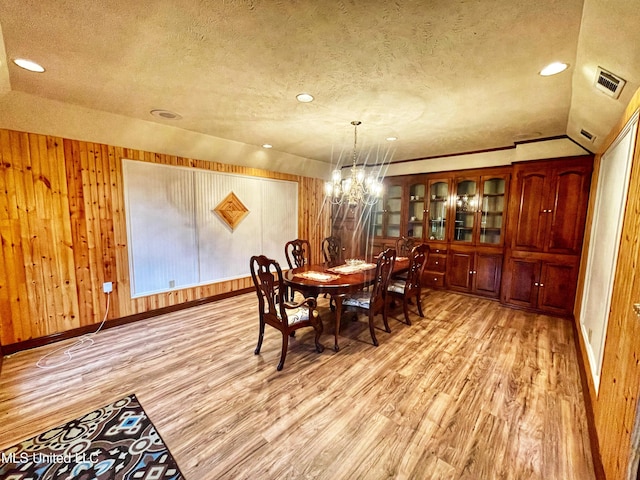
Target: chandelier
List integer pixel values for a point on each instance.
(358, 189)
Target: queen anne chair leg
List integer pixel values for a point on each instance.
(283, 354)
(384, 320)
(419, 303)
(260, 337)
(372, 330)
(316, 321)
(405, 308)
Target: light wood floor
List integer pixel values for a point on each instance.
(474, 390)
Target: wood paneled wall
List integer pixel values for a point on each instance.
(615, 404)
(62, 222)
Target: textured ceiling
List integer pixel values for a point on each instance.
(445, 76)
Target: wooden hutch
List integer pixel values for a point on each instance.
(512, 233)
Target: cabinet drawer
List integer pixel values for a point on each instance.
(436, 263)
(433, 279)
(437, 250)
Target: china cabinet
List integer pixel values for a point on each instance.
(513, 232)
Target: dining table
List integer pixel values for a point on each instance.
(337, 280)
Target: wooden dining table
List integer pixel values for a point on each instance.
(336, 280)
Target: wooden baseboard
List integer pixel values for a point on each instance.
(598, 467)
(115, 322)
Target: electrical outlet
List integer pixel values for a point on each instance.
(172, 284)
(107, 287)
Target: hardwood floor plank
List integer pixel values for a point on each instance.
(473, 390)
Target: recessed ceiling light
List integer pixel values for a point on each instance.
(267, 145)
(304, 97)
(166, 114)
(28, 65)
(553, 68)
(392, 139)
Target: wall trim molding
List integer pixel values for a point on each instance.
(598, 466)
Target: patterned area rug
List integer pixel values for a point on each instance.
(116, 442)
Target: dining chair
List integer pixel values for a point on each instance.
(410, 287)
(374, 300)
(298, 252)
(332, 249)
(274, 310)
(404, 245)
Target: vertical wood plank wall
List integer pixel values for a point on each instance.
(63, 231)
(615, 404)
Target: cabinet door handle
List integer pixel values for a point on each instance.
(536, 284)
(437, 263)
(542, 284)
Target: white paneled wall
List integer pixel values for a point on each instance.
(177, 240)
(161, 227)
(611, 194)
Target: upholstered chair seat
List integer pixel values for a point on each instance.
(397, 285)
(360, 299)
(297, 315)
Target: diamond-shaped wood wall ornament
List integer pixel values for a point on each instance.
(231, 210)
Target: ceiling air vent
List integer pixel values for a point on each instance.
(588, 135)
(608, 83)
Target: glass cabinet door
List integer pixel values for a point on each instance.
(386, 213)
(491, 220)
(393, 211)
(415, 214)
(438, 203)
(466, 208)
(377, 218)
